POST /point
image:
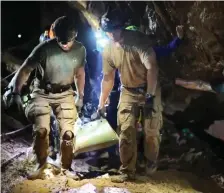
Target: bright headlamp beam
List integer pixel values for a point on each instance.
(98, 35)
(102, 42)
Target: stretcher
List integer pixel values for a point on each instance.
(94, 135)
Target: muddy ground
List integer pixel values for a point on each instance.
(185, 165)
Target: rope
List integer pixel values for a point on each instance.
(14, 132)
(8, 76)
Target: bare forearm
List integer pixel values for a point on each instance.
(80, 84)
(106, 87)
(152, 78)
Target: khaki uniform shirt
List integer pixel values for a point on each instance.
(131, 59)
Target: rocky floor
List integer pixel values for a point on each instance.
(186, 165)
(163, 182)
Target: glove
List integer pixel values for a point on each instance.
(148, 107)
(15, 102)
(79, 103)
(102, 112)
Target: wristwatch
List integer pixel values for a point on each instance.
(147, 96)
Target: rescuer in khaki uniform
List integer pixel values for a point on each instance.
(131, 53)
(60, 62)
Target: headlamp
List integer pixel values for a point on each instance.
(132, 28)
(101, 39)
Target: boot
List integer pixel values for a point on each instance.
(40, 149)
(66, 159)
(38, 172)
(70, 174)
(123, 178)
(141, 162)
(46, 171)
(151, 168)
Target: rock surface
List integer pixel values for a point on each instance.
(200, 57)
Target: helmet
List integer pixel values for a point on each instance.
(132, 28)
(64, 30)
(112, 20)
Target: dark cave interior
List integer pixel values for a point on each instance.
(200, 57)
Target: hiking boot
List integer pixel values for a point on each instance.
(38, 173)
(141, 162)
(151, 168)
(44, 171)
(69, 174)
(123, 178)
(53, 155)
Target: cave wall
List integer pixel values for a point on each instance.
(202, 55)
(199, 57)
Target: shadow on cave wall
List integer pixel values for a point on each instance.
(199, 115)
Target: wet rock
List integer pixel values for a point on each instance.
(87, 188)
(115, 190)
(104, 176)
(219, 179)
(190, 156)
(171, 108)
(217, 129)
(182, 142)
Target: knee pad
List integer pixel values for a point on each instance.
(68, 135)
(41, 132)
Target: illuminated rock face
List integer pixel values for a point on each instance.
(200, 57)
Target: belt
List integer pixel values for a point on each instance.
(140, 90)
(52, 88)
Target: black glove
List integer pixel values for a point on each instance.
(148, 107)
(102, 112)
(15, 102)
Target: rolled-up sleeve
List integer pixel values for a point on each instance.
(83, 61)
(108, 65)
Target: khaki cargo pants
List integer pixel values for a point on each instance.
(128, 113)
(38, 112)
